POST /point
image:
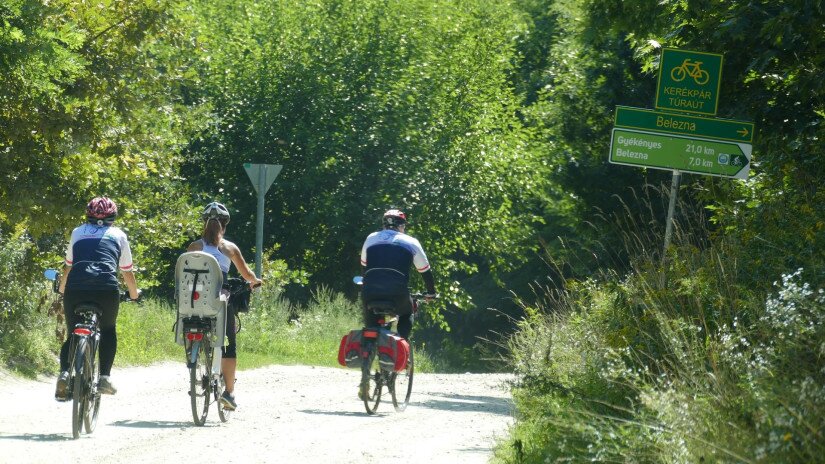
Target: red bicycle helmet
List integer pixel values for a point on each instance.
(100, 210)
(394, 218)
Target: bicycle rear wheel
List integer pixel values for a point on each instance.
(79, 387)
(200, 382)
(92, 393)
(372, 381)
(401, 385)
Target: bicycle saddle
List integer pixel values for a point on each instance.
(381, 307)
(86, 307)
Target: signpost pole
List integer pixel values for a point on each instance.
(261, 176)
(674, 192)
(259, 227)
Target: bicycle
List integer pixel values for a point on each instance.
(205, 388)
(84, 370)
(692, 69)
(373, 376)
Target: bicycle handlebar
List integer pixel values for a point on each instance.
(125, 298)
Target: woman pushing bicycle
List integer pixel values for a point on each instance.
(215, 218)
(97, 249)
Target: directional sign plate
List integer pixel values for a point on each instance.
(689, 81)
(688, 154)
(680, 124)
(262, 175)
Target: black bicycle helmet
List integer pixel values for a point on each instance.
(217, 211)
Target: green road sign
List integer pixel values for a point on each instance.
(673, 152)
(671, 123)
(689, 81)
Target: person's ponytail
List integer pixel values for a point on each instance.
(212, 232)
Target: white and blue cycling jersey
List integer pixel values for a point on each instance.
(95, 254)
(391, 249)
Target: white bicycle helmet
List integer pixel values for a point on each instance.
(217, 211)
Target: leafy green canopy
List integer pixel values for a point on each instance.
(90, 105)
(367, 105)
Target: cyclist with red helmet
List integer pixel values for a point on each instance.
(215, 217)
(97, 249)
(386, 257)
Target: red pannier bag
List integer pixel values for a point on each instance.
(349, 353)
(393, 351)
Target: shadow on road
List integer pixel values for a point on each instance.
(38, 437)
(468, 403)
(335, 413)
(152, 424)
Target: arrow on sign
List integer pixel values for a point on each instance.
(743, 132)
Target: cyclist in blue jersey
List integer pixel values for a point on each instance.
(215, 217)
(97, 249)
(386, 257)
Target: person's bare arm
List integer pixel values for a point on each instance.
(240, 264)
(131, 284)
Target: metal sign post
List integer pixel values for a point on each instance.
(671, 208)
(262, 177)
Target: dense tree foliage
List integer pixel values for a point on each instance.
(91, 104)
(367, 105)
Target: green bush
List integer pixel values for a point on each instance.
(27, 332)
(679, 365)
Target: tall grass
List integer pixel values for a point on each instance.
(677, 362)
(274, 331)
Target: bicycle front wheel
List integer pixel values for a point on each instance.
(79, 387)
(200, 384)
(372, 381)
(401, 385)
(223, 413)
(92, 393)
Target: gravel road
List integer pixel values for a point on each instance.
(286, 414)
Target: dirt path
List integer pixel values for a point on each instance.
(286, 414)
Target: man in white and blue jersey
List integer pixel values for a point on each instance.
(387, 256)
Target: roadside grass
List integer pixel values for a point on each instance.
(682, 362)
(274, 331)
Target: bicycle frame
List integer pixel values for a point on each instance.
(206, 382)
(382, 377)
(82, 385)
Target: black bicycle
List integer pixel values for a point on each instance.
(373, 376)
(84, 369)
(204, 387)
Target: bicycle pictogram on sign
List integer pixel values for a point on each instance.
(692, 69)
